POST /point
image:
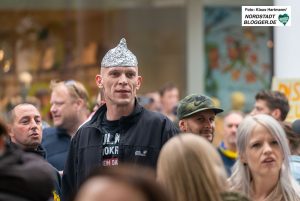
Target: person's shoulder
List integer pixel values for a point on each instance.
(53, 132)
(154, 115)
(51, 136)
(49, 130)
(86, 130)
(159, 118)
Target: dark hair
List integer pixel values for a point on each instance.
(140, 178)
(275, 100)
(293, 138)
(166, 87)
(11, 114)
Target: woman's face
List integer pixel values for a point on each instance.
(263, 153)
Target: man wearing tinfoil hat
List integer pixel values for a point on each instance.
(196, 114)
(121, 130)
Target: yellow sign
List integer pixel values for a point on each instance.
(291, 88)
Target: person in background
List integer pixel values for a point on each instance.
(25, 128)
(121, 183)
(23, 176)
(25, 131)
(262, 171)
(227, 148)
(69, 109)
(99, 101)
(196, 114)
(273, 103)
(294, 143)
(169, 97)
(155, 104)
(121, 131)
(190, 169)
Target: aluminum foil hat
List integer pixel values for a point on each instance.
(119, 56)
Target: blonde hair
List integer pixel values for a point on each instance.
(75, 89)
(241, 176)
(190, 168)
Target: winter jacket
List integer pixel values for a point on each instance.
(24, 176)
(142, 135)
(40, 151)
(56, 142)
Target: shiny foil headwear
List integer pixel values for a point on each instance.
(119, 56)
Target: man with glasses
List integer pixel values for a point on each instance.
(69, 109)
(121, 130)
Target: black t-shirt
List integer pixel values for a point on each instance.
(111, 140)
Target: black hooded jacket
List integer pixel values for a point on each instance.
(142, 135)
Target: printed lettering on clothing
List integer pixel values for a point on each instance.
(110, 151)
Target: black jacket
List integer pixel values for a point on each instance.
(40, 152)
(24, 176)
(142, 135)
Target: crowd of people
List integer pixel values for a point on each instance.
(147, 148)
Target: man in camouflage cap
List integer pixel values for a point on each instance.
(196, 114)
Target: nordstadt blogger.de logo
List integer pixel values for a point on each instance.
(266, 16)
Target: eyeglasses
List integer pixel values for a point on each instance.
(72, 84)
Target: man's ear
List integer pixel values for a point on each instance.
(80, 102)
(276, 114)
(99, 81)
(182, 125)
(139, 82)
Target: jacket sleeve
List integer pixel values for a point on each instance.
(69, 178)
(170, 130)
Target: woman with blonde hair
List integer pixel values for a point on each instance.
(121, 183)
(190, 169)
(262, 170)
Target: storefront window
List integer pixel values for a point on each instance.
(40, 43)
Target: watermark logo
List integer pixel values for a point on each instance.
(283, 18)
(266, 16)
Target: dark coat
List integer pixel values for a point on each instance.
(24, 176)
(40, 151)
(142, 135)
(56, 142)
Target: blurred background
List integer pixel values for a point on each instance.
(199, 45)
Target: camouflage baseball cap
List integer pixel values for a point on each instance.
(194, 103)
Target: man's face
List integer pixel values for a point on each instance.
(26, 128)
(63, 108)
(261, 107)
(120, 84)
(156, 105)
(231, 123)
(170, 99)
(201, 123)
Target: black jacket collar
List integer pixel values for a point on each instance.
(125, 121)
